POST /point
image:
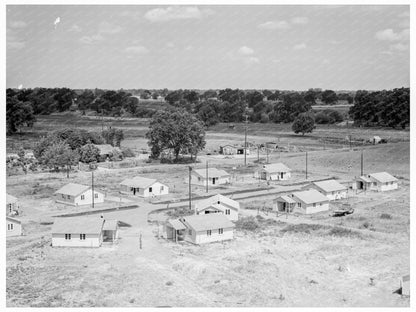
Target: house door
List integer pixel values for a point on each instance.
(360, 185)
(134, 191)
(281, 175)
(213, 180)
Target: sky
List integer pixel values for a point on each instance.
(208, 47)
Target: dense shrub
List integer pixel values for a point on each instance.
(127, 152)
(247, 223)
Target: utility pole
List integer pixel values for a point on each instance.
(92, 186)
(245, 143)
(102, 120)
(190, 204)
(267, 154)
(207, 175)
(350, 140)
(362, 163)
(258, 153)
(306, 165)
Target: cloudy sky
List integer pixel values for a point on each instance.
(202, 47)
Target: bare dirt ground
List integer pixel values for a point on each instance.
(295, 261)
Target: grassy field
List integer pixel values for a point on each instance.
(294, 261)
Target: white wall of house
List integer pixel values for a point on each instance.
(82, 199)
(264, 175)
(335, 195)
(196, 179)
(13, 228)
(387, 186)
(91, 240)
(156, 189)
(203, 237)
(311, 208)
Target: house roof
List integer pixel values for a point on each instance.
(376, 137)
(279, 167)
(176, 224)
(213, 201)
(106, 148)
(365, 179)
(77, 225)
(406, 278)
(138, 182)
(382, 177)
(210, 221)
(110, 225)
(10, 199)
(311, 196)
(330, 186)
(212, 172)
(285, 198)
(73, 189)
(13, 220)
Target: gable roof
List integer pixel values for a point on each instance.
(110, 225)
(382, 177)
(212, 172)
(278, 167)
(213, 201)
(210, 221)
(330, 186)
(73, 189)
(10, 199)
(311, 196)
(138, 182)
(365, 179)
(77, 225)
(13, 220)
(285, 198)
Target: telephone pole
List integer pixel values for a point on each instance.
(362, 163)
(245, 143)
(190, 204)
(306, 165)
(92, 187)
(207, 175)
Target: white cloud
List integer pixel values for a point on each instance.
(274, 25)
(91, 39)
(252, 60)
(244, 50)
(390, 35)
(18, 24)
(176, 13)
(400, 47)
(75, 28)
(136, 50)
(108, 28)
(300, 20)
(299, 46)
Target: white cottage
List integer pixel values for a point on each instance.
(207, 228)
(77, 232)
(331, 189)
(215, 176)
(311, 201)
(77, 195)
(144, 187)
(218, 204)
(276, 171)
(14, 227)
(284, 203)
(380, 182)
(12, 205)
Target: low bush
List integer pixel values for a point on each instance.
(385, 216)
(247, 223)
(127, 152)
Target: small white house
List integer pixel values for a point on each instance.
(77, 232)
(77, 195)
(12, 205)
(380, 182)
(311, 201)
(331, 189)
(218, 204)
(284, 203)
(375, 139)
(233, 150)
(207, 228)
(215, 176)
(274, 172)
(144, 187)
(13, 226)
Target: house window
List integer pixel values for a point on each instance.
(63, 196)
(220, 231)
(10, 207)
(299, 205)
(82, 197)
(162, 188)
(209, 233)
(189, 232)
(150, 190)
(96, 195)
(10, 226)
(218, 202)
(314, 205)
(199, 179)
(67, 236)
(82, 236)
(69, 197)
(227, 211)
(320, 204)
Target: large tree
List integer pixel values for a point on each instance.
(303, 123)
(18, 114)
(329, 97)
(176, 130)
(60, 155)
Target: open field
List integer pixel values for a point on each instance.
(287, 261)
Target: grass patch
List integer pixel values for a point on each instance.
(320, 230)
(247, 224)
